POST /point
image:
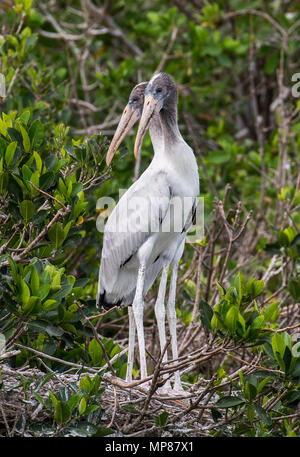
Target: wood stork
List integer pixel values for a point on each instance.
(146, 231)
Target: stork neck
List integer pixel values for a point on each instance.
(171, 133)
(164, 131)
(156, 133)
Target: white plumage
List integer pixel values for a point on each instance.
(146, 231)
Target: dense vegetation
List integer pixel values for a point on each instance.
(69, 67)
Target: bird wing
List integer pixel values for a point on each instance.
(137, 215)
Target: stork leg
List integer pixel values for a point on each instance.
(138, 311)
(131, 344)
(160, 318)
(172, 318)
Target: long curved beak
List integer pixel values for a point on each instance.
(127, 121)
(150, 105)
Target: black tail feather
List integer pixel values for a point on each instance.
(103, 303)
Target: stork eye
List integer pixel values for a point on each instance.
(159, 90)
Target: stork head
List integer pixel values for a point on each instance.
(160, 94)
(131, 114)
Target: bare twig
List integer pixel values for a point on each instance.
(49, 196)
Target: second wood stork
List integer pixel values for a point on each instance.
(146, 232)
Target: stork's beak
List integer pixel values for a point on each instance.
(150, 106)
(127, 121)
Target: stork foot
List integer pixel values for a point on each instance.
(145, 386)
(172, 392)
(166, 389)
(179, 392)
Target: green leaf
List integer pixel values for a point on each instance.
(36, 133)
(161, 419)
(48, 305)
(3, 128)
(278, 347)
(287, 358)
(132, 409)
(231, 296)
(240, 325)
(27, 210)
(34, 281)
(250, 413)
(219, 157)
(206, 314)
(10, 152)
(242, 379)
(231, 318)
(25, 116)
(3, 182)
(229, 401)
(63, 292)
(278, 344)
(291, 398)
(95, 351)
(62, 412)
(283, 239)
(53, 399)
(216, 415)
(64, 393)
(76, 187)
(24, 292)
(90, 409)
(272, 312)
(263, 414)
(250, 391)
(26, 173)
(258, 322)
(38, 161)
(258, 287)
(82, 406)
(56, 235)
(55, 284)
(67, 228)
(47, 180)
(62, 187)
(26, 139)
(32, 306)
(85, 383)
(74, 400)
(15, 135)
(271, 63)
(13, 269)
(296, 370)
(215, 322)
(34, 178)
(262, 384)
(53, 331)
(43, 291)
(221, 289)
(95, 385)
(81, 430)
(294, 288)
(290, 233)
(103, 431)
(40, 399)
(241, 285)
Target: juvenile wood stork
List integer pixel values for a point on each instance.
(146, 232)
